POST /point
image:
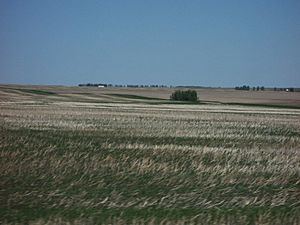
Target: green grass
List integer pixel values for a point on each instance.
(48, 166)
(277, 215)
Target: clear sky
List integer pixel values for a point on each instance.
(187, 42)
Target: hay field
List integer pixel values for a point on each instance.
(82, 156)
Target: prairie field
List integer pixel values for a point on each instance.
(117, 156)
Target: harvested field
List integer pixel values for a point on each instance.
(91, 156)
(94, 94)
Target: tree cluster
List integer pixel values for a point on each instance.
(244, 88)
(189, 95)
(247, 88)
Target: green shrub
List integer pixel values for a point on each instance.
(189, 95)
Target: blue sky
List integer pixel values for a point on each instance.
(209, 43)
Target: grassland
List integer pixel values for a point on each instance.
(79, 156)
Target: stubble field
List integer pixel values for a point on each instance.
(119, 158)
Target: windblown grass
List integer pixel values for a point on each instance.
(109, 163)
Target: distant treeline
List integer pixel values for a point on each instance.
(135, 85)
(244, 87)
(138, 86)
(286, 89)
(248, 88)
(121, 85)
(95, 85)
(262, 88)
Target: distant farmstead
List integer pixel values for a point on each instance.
(289, 89)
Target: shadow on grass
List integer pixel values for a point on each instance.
(135, 97)
(37, 92)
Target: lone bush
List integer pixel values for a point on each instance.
(189, 95)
